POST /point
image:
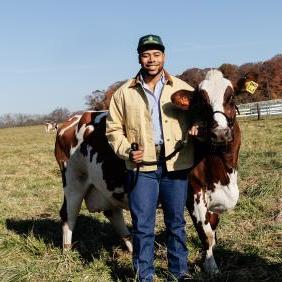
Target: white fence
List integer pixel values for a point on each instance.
(263, 108)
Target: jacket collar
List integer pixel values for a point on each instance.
(136, 80)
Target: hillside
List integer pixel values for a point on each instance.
(269, 78)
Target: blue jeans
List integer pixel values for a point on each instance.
(171, 189)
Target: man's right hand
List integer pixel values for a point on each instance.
(194, 130)
(136, 156)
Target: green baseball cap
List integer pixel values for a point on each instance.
(150, 41)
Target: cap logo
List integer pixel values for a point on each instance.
(150, 39)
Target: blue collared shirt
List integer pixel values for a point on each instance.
(154, 106)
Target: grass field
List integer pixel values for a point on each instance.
(249, 238)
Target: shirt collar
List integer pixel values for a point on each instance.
(143, 83)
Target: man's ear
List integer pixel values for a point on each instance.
(182, 99)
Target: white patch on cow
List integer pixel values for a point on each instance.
(67, 236)
(200, 212)
(199, 208)
(76, 120)
(215, 85)
(80, 135)
(100, 116)
(224, 198)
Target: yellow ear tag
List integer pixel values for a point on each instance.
(251, 86)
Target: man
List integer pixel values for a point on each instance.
(141, 112)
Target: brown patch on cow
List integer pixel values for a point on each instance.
(212, 219)
(229, 104)
(85, 119)
(66, 141)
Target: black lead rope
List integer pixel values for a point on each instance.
(134, 147)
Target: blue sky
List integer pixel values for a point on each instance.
(55, 52)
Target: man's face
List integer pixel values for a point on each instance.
(152, 61)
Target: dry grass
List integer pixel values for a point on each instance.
(249, 242)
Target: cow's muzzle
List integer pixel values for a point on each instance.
(221, 135)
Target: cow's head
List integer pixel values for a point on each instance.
(214, 105)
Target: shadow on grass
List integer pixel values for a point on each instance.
(233, 265)
(90, 235)
(237, 266)
(93, 236)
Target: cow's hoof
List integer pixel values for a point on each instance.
(128, 243)
(210, 266)
(67, 247)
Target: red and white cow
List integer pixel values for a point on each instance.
(213, 187)
(91, 170)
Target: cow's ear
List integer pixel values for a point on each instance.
(247, 83)
(182, 99)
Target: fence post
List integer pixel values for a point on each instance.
(258, 111)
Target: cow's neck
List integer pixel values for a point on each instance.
(228, 154)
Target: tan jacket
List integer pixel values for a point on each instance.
(129, 121)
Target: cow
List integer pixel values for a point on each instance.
(50, 126)
(92, 172)
(213, 187)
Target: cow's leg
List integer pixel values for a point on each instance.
(211, 224)
(74, 192)
(205, 223)
(116, 218)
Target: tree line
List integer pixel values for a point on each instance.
(269, 75)
(13, 120)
